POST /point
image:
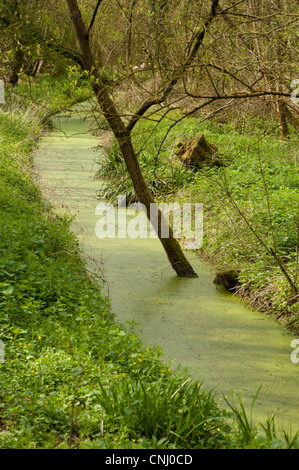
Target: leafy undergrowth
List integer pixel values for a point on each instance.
(251, 204)
(72, 377)
(44, 96)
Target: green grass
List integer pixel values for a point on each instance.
(72, 377)
(259, 181)
(46, 95)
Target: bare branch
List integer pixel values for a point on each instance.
(224, 70)
(241, 95)
(180, 71)
(94, 16)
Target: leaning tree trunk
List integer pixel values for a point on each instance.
(171, 246)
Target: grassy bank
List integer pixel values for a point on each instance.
(251, 204)
(72, 378)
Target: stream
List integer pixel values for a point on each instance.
(198, 325)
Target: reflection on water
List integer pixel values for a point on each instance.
(198, 325)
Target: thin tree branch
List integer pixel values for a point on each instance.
(224, 70)
(94, 17)
(240, 95)
(269, 249)
(180, 71)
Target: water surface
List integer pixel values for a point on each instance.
(198, 325)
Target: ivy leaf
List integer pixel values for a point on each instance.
(7, 290)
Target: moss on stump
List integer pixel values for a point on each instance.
(197, 152)
(227, 278)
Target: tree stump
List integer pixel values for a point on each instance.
(228, 279)
(197, 152)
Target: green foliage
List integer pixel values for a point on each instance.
(258, 181)
(259, 184)
(179, 415)
(72, 377)
(48, 94)
(162, 172)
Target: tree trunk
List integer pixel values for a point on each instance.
(294, 121)
(282, 119)
(171, 246)
(16, 67)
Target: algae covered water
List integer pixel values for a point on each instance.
(198, 325)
